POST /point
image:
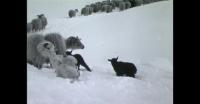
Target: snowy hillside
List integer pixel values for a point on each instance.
(142, 35)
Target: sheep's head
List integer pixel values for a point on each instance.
(76, 10)
(74, 43)
(45, 48)
(113, 59)
(40, 16)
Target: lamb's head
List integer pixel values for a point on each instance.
(74, 43)
(45, 48)
(113, 60)
(68, 52)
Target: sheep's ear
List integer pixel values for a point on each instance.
(117, 57)
(109, 59)
(71, 52)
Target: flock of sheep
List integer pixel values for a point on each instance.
(37, 24)
(104, 6)
(51, 48)
(108, 6)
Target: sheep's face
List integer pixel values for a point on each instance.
(40, 16)
(74, 43)
(45, 48)
(76, 10)
(113, 60)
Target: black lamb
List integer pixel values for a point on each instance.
(80, 60)
(123, 68)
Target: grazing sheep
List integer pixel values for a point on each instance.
(106, 2)
(122, 6)
(91, 10)
(44, 20)
(137, 2)
(29, 27)
(85, 11)
(106, 8)
(116, 2)
(37, 24)
(58, 41)
(128, 4)
(80, 60)
(72, 13)
(94, 6)
(74, 43)
(99, 6)
(33, 56)
(65, 66)
(109, 9)
(113, 4)
(123, 68)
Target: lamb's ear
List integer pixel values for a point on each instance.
(117, 57)
(71, 52)
(109, 59)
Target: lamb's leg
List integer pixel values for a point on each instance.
(39, 67)
(78, 67)
(86, 66)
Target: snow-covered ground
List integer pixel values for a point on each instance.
(142, 35)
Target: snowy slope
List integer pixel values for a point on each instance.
(142, 35)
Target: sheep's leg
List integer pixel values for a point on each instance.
(39, 66)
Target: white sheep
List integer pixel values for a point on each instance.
(43, 19)
(29, 27)
(37, 24)
(58, 41)
(33, 56)
(65, 66)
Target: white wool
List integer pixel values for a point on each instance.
(69, 60)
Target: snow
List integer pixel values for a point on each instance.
(142, 35)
